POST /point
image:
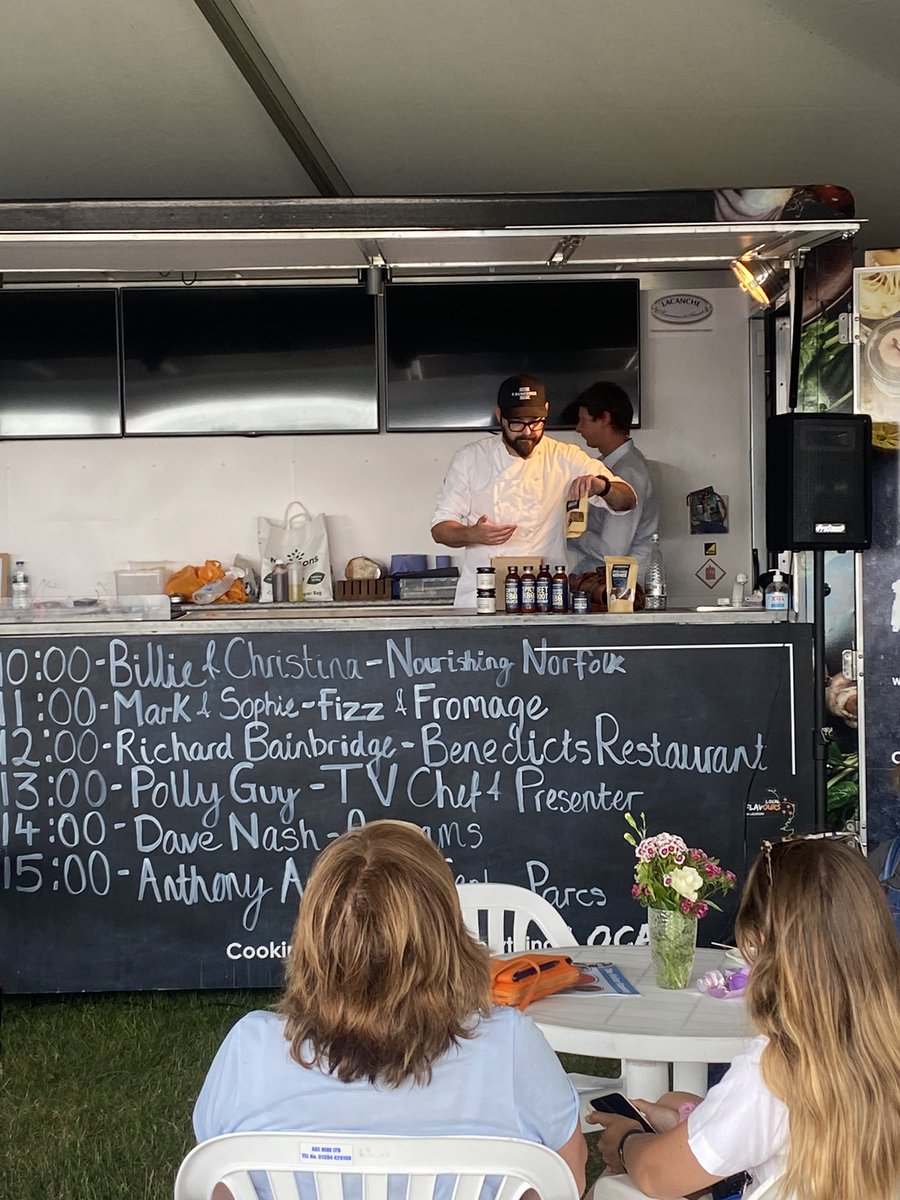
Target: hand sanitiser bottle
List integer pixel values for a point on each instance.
(777, 594)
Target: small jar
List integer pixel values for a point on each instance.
(485, 590)
(580, 602)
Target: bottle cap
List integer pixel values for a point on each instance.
(777, 577)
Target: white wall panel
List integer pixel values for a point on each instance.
(77, 510)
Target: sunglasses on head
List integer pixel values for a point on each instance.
(845, 836)
(517, 426)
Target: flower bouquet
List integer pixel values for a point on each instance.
(675, 882)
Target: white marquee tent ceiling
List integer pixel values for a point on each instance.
(139, 98)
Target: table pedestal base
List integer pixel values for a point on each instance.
(648, 1080)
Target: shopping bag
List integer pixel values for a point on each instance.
(301, 538)
(516, 981)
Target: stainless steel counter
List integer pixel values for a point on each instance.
(381, 615)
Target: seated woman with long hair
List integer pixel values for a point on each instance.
(386, 1025)
(817, 1096)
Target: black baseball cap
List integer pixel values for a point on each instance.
(522, 396)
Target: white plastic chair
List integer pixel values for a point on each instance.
(498, 906)
(620, 1187)
(504, 904)
(369, 1162)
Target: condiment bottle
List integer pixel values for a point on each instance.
(512, 590)
(777, 593)
(280, 581)
(295, 582)
(559, 591)
(542, 589)
(529, 590)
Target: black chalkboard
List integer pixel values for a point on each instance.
(164, 796)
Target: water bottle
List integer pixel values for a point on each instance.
(655, 578)
(21, 587)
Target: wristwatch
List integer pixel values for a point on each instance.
(608, 482)
(622, 1140)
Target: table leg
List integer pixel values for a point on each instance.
(690, 1077)
(646, 1080)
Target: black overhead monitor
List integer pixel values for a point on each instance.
(449, 345)
(249, 360)
(59, 369)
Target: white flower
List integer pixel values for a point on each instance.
(686, 882)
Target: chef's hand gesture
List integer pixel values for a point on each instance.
(485, 533)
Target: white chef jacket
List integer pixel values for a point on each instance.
(631, 532)
(484, 479)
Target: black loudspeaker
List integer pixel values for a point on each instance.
(818, 481)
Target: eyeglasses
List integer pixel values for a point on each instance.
(845, 836)
(521, 426)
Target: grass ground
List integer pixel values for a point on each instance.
(96, 1092)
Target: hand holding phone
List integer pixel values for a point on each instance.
(621, 1106)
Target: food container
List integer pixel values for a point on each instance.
(146, 581)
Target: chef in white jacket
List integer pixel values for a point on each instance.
(509, 490)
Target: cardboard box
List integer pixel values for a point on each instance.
(501, 567)
(5, 567)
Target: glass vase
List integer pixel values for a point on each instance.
(673, 939)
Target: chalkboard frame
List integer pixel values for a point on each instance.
(746, 684)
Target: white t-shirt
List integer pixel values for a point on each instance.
(484, 479)
(740, 1125)
(631, 532)
(506, 1082)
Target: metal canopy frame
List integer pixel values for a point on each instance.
(560, 234)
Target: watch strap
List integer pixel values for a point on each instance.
(621, 1147)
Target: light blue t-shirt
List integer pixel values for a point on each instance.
(505, 1082)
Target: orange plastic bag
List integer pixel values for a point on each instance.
(183, 583)
(186, 582)
(515, 982)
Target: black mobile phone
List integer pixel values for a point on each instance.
(619, 1105)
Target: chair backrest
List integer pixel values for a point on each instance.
(369, 1162)
(498, 901)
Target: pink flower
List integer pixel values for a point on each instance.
(686, 907)
(667, 880)
(679, 857)
(701, 909)
(712, 870)
(696, 855)
(636, 890)
(730, 876)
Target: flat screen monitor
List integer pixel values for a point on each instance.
(249, 360)
(59, 367)
(449, 345)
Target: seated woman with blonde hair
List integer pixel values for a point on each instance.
(816, 1098)
(386, 1025)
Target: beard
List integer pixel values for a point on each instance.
(522, 444)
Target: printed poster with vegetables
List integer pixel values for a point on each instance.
(877, 296)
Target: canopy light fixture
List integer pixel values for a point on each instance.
(563, 251)
(764, 280)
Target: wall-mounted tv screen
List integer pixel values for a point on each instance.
(449, 345)
(249, 360)
(59, 368)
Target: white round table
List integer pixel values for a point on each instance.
(650, 1031)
